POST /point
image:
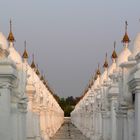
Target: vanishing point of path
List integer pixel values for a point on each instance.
(68, 132)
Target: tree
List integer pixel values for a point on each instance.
(68, 104)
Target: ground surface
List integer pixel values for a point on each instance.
(68, 132)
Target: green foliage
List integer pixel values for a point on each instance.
(67, 110)
(67, 104)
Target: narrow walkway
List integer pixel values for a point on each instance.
(68, 132)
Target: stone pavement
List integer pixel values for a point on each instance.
(68, 132)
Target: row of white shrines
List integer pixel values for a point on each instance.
(28, 109)
(110, 106)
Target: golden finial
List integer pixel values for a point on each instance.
(106, 62)
(95, 77)
(89, 85)
(91, 81)
(33, 63)
(126, 37)
(126, 24)
(44, 81)
(114, 54)
(25, 54)
(10, 25)
(11, 36)
(46, 84)
(42, 78)
(98, 70)
(37, 71)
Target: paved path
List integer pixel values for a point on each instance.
(68, 132)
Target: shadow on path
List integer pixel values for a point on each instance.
(68, 132)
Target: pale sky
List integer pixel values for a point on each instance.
(69, 37)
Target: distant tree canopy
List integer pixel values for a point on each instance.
(67, 104)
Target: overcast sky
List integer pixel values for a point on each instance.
(69, 37)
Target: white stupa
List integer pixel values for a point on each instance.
(123, 56)
(13, 54)
(114, 58)
(97, 78)
(105, 73)
(3, 41)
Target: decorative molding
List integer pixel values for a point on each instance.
(5, 85)
(134, 85)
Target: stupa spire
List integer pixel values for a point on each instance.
(42, 77)
(95, 76)
(11, 38)
(114, 54)
(126, 39)
(91, 82)
(98, 70)
(25, 53)
(106, 62)
(33, 63)
(37, 70)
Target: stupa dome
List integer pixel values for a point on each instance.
(123, 56)
(96, 83)
(104, 77)
(111, 68)
(14, 55)
(32, 75)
